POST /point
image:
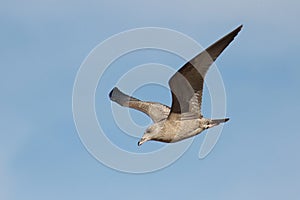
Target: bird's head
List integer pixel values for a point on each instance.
(150, 133)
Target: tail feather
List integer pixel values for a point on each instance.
(218, 121)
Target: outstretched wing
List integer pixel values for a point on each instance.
(187, 83)
(156, 111)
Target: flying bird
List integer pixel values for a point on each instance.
(184, 118)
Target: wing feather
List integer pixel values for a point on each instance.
(156, 111)
(187, 83)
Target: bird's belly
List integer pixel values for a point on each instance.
(186, 129)
(184, 135)
(180, 130)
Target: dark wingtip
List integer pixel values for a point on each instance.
(110, 94)
(237, 30)
(226, 119)
(112, 91)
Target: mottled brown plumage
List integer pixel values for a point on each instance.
(184, 118)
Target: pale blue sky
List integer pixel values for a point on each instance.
(43, 44)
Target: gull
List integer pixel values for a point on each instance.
(184, 118)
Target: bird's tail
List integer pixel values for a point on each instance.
(218, 121)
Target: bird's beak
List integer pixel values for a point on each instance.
(141, 141)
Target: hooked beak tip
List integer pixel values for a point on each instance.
(141, 142)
